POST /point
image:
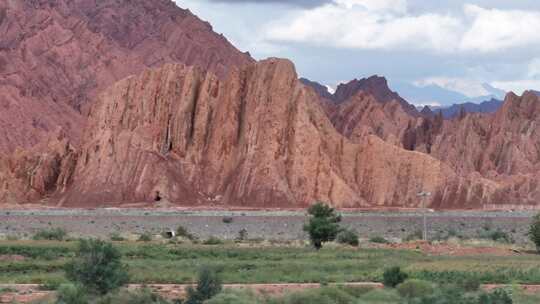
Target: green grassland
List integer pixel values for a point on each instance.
(168, 263)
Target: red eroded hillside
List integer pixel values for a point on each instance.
(55, 56)
(172, 111)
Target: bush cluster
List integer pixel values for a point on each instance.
(495, 235)
(183, 232)
(348, 237)
(213, 241)
(379, 240)
(145, 237)
(208, 286)
(393, 276)
(54, 234)
(98, 267)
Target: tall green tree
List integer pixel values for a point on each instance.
(208, 286)
(97, 267)
(323, 224)
(534, 231)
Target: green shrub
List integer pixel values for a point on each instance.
(348, 237)
(37, 252)
(417, 235)
(337, 295)
(145, 237)
(393, 276)
(495, 235)
(51, 284)
(379, 240)
(7, 290)
(234, 297)
(499, 296)
(208, 286)
(213, 241)
(12, 237)
(182, 231)
(445, 235)
(323, 224)
(447, 295)
(97, 266)
(142, 296)
(326, 295)
(227, 220)
(54, 234)
(534, 231)
(242, 235)
(116, 237)
(414, 289)
(71, 294)
(356, 291)
(380, 296)
(470, 284)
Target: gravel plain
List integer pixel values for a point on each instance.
(268, 225)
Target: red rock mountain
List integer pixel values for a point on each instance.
(257, 138)
(223, 130)
(56, 55)
(503, 147)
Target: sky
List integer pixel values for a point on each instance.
(432, 52)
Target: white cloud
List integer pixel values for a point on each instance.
(468, 87)
(518, 86)
(534, 68)
(387, 24)
(367, 24)
(429, 104)
(399, 6)
(495, 29)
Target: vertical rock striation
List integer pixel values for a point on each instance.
(55, 56)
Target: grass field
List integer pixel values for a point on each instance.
(162, 263)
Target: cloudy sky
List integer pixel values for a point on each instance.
(430, 51)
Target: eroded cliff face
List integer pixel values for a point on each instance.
(32, 176)
(56, 55)
(257, 138)
(362, 114)
(502, 147)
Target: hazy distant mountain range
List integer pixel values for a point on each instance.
(437, 95)
(489, 106)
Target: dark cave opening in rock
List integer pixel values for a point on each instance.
(157, 197)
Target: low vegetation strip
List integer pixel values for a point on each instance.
(178, 266)
(158, 262)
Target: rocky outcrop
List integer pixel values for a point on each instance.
(55, 56)
(502, 148)
(36, 174)
(257, 138)
(375, 86)
(320, 89)
(362, 114)
(504, 143)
